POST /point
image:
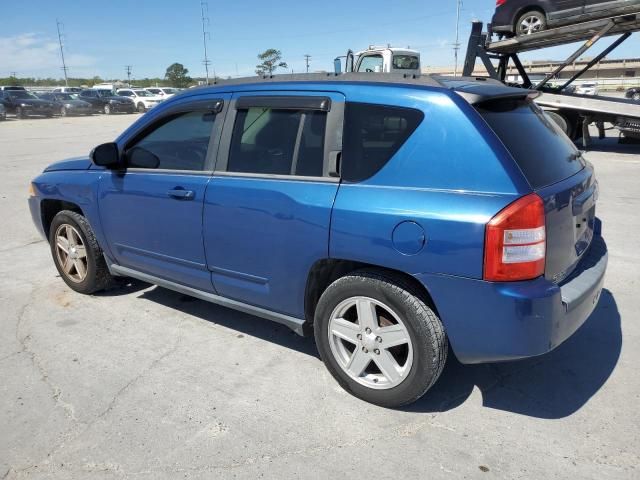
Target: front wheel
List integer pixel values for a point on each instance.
(636, 97)
(379, 339)
(20, 113)
(63, 112)
(141, 108)
(531, 22)
(76, 253)
(107, 109)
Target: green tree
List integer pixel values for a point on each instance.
(270, 62)
(177, 76)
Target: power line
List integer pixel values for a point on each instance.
(307, 57)
(205, 22)
(64, 65)
(127, 68)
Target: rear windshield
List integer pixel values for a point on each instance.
(540, 148)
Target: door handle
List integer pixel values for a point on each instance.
(181, 194)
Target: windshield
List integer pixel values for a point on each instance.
(406, 62)
(20, 94)
(154, 90)
(143, 93)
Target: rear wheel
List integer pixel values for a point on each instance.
(379, 340)
(76, 253)
(531, 22)
(107, 109)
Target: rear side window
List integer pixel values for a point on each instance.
(542, 151)
(278, 142)
(372, 135)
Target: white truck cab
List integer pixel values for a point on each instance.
(376, 59)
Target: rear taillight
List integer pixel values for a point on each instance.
(500, 2)
(515, 242)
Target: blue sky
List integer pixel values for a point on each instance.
(102, 37)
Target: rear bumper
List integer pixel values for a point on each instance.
(489, 322)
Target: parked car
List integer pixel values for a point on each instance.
(523, 17)
(105, 101)
(68, 104)
(164, 92)
(633, 93)
(67, 90)
(339, 207)
(24, 104)
(4, 87)
(3, 112)
(143, 100)
(587, 88)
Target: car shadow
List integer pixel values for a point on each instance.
(551, 386)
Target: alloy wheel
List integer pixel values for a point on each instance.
(530, 24)
(370, 342)
(71, 253)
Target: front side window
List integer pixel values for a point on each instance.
(178, 143)
(278, 142)
(371, 63)
(372, 136)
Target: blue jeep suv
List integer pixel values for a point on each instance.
(390, 216)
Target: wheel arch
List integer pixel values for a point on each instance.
(49, 208)
(326, 271)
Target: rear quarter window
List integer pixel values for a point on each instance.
(372, 136)
(543, 152)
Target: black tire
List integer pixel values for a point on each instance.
(141, 108)
(107, 109)
(423, 325)
(97, 274)
(530, 22)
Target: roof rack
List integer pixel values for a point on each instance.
(578, 32)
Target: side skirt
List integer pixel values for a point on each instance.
(296, 324)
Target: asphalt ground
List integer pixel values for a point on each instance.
(141, 382)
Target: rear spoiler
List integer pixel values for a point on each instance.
(479, 90)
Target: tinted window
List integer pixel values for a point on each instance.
(181, 142)
(372, 135)
(524, 128)
(406, 62)
(279, 142)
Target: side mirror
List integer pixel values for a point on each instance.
(106, 155)
(337, 65)
(138, 157)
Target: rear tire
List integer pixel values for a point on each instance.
(76, 253)
(395, 360)
(531, 22)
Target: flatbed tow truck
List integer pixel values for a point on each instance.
(573, 112)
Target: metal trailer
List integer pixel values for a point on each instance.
(573, 112)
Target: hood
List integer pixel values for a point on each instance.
(33, 101)
(76, 163)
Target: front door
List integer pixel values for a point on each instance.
(268, 207)
(152, 213)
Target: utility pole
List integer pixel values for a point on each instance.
(204, 6)
(456, 45)
(127, 68)
(64, 65)
(307, 57)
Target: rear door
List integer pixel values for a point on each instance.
(565, 9)
(556, 171)
(268, 207)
